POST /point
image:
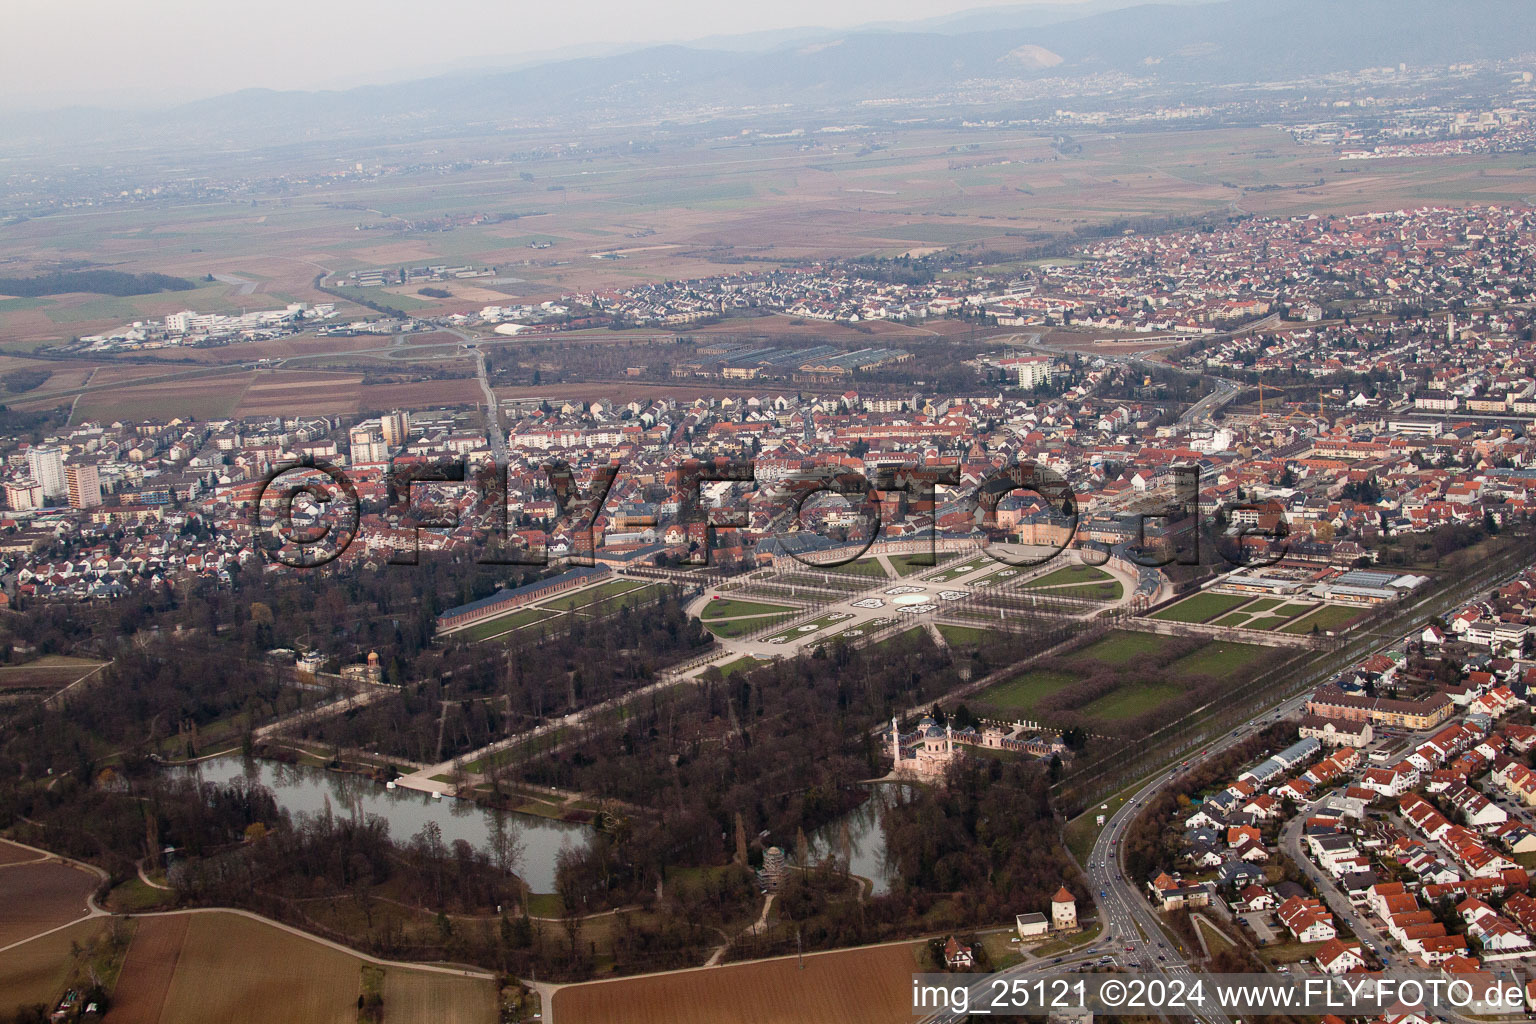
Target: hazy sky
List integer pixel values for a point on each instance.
(116, 53)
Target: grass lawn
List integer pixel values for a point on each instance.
(906, 565)
(964, 635)
(545, 904)
(502, 623)
(1264, 604)
(730, 607)
(816, 625)
(592, 595)
(1131, 700)
(730, 629)
(1111, 591)
(1328, 617)
(862, 567)
(1215, 940)
(956, 571)
(745, 664)
(1001, 952)
(992, 579)
(134, 897)
(1267, 622)
(1122, 647)
(1219, 658)
(1060, 946)
(1023, 691)
(1201, 607)
(1070, 574)
(1235, 619)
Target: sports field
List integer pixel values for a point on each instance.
(856, 986)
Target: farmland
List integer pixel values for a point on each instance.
(858, 986)
(232, 968)
(37, 897)
(37, 971)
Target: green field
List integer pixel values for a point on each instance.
(1111, 591)
(1070, 574)
(1328, 617)
(1201, 607)
(730, 629)
(863, 567)
(906, 565)
(1131, 700)
(745, 664)
(1219, 658)
(956, 571)
(964, 635)
(502, 623)
(819, 624)
(730, 607)
(1122, 647)
(1264, 604)
(592, 595)
(1022, 692)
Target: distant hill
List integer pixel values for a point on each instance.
(1194, 43)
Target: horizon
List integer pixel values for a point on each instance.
(100, 34)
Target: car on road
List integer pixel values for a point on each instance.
(1056, 961)
(1103, 893)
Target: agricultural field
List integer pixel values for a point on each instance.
(1201, 607)
(37, 897)
(856, 986)
(38, 971)
(232, 968)
(45, 676)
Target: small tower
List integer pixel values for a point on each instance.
(895, 745)
(1064, 911)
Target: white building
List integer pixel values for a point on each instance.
(47, 467)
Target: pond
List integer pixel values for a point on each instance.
(866, 839)
(301, 789)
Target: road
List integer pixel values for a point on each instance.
(493, 431)
(1122, 907)
(1221, 394)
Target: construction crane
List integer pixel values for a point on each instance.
(1263, 388)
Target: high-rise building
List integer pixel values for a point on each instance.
(47, 467)
(396, 426)
(84, 486)
(23, 495)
